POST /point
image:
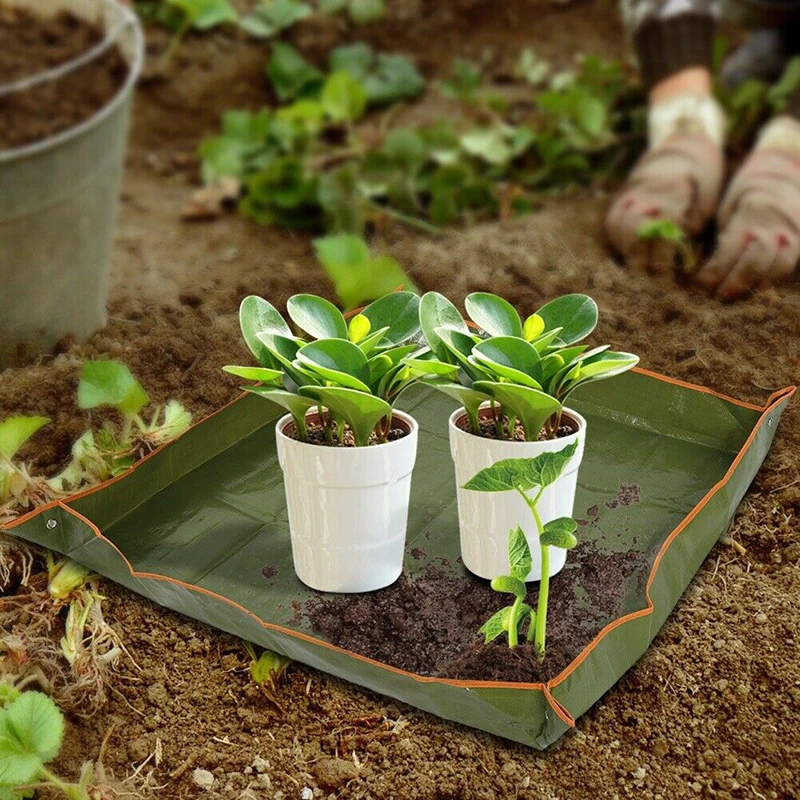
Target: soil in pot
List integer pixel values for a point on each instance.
(29, 45)
(317, 434)
(488, 427)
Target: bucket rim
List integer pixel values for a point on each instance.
(119, 99)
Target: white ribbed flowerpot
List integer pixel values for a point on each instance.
(485, 518)
(348, 509)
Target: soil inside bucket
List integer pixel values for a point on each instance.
(317, 435)
(29, 45)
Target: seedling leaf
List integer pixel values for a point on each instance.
(519, 554)
(560, 533)
(110, 383)
(15, 431)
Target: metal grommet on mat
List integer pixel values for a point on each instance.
(51, 523)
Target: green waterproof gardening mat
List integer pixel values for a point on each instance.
(200, 526)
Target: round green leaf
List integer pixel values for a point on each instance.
(343, 98)
(399, 311)
(512, 358)
(493, 314)
(436, 311)
(531, 407)
(576, 313)
(31, 732)
(256, 316)
(337, 360)
(317, 317)
(361, 411)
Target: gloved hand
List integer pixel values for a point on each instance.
(759, 238)
(679, 178)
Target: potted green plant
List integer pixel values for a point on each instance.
(513, 379)
(346, 452)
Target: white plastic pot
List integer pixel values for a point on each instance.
(348, 508)
(485, 518)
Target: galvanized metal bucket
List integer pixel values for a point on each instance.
(58, 202)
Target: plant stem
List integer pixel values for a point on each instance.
(300, 424)
(474, 422)
(512, 424)
(513, 623)
(538, 631)
(71, 790)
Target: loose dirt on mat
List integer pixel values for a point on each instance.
(713, 708)
(30, 44)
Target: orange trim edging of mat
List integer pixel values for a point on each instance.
(546, 688)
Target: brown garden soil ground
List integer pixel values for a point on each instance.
(712, 710)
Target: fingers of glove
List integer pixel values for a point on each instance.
(749, 272)
(787, 258)
(729, 248)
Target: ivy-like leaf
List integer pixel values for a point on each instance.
(496, 625)
(560, 533)
(290, 73)
(522, 473)
(110, 383)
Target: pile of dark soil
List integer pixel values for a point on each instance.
(30, 44)
(428, 623)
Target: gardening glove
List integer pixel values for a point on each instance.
(678, 179)
(759, 219)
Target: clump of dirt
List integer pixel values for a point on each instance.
(429, 623)
(30, 44)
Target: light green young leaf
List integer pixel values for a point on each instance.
(361, 411)
(560, 533)
(489, 144)
(261, 374)
(493, 314)
(533, 328)
(31, 732)
(576, 313)
(317, 316)
(509, 585)
(520, 561)
(530, 406)
(343, 98)
(110, 383)
(15, 431)
(359, 328)
(357, 276)
(274, 16)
